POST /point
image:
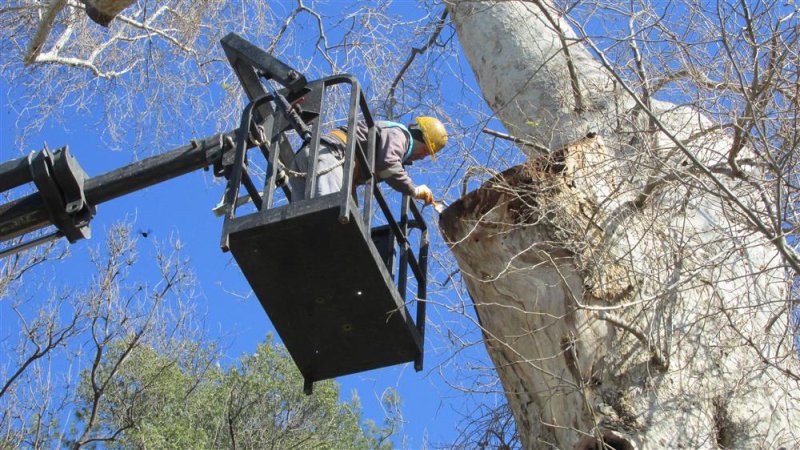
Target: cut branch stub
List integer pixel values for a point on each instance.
(560, 194)
(527, 243)
(104, 11)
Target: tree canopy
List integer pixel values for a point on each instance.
(169, 400)
(122, 364)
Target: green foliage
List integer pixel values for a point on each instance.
(164, 401)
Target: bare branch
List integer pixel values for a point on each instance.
(43, 30)
(390, 96)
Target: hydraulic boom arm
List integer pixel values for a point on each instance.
(67, 198)
(55, 174)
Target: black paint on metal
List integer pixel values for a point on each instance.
(249, 63)
(199, 154)
(30, 244)
(244, 54)
(325, 288)
(67, 217)
(14, 173)
(321, 273)
(31, 212)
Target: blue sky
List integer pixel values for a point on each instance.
(433, 400)
(181, 209)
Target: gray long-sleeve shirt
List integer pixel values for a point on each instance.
(390, 149)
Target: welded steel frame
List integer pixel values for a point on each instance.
(67, 198)
(314, 99)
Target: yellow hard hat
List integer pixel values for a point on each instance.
(433, 133)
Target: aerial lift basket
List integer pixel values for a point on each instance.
(321, 272)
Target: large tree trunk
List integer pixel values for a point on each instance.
(622, 299)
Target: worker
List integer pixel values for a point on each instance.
(396, 145)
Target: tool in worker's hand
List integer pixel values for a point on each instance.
(439, 206)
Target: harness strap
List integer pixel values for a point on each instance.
(390, 124)
(339, 134)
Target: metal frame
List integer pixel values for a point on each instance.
(67, 198)
(250, 63)
(61, 196)
(314, 99)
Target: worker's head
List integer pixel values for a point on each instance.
(429, 136)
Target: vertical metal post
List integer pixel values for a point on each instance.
(235, 180)
(349, 152)
(313, 151)
(422, 295)
(273, 162)
(371, 183)
(402, 277)
(255, 196)
(272, 150)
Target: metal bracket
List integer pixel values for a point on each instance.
(242, 53)
(251, 63)
(60, 180)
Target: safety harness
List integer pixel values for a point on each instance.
(340, 135)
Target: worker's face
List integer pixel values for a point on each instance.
(419, 151)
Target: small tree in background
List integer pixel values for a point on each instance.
(122, 364)
(159, 400)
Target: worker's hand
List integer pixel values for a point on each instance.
(423, 193)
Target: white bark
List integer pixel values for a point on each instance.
(523, 73)
(621, 294)
(43, 30)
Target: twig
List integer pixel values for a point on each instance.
(790, 255)
(517, 140)
(655, 354)
(414, 52)
(573, 72)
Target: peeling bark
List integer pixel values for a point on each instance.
(594, 338)
(624, 299)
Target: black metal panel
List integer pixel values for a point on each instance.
(384, 241)
(246, 59)
(241, 52)
(325, 288)
(71, 219)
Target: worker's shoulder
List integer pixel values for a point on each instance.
(386, 128)
(389, 124)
